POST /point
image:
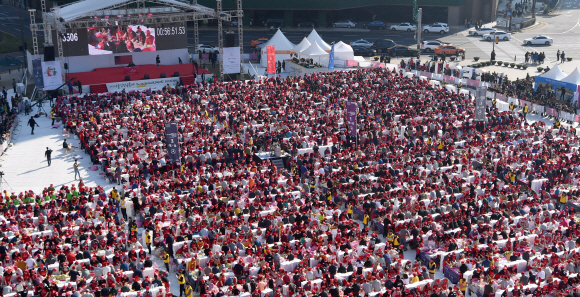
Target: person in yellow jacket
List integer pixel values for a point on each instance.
(440, 146)
(563, 200)
(432, 267)
(349, 211)
(396, 241)
(512, 106)
(181, 281)
(414, 279)
(123, 209)
(188, 291)
(557, 124)
(390, 237)
(366, 220)
(165, 257)
(525, 112)
(52, 116)
(462, 285)
(148, 240)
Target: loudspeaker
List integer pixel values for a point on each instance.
(176, 74)
(49, 53)
(66, 66)
(146, 76)
(163, 75)
(230, 40)
(127, 78)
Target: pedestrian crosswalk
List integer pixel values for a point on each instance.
(504, 50)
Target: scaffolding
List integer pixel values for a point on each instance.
(127, 11)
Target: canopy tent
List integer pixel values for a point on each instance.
(282, 46)
(304, 44)
(343, 51)
(313, 36)
(573, 78)
(316, 53)
(552, 77)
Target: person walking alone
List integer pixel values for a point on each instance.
(47, 154)
(562, 57)
(76, 169)
(32, 123)
(157, 61)
(558, 56)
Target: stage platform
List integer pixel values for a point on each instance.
(117, 74)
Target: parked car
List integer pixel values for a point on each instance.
(258, 41)
(305, 24)
(276, 23)
(361, 42)
(449, 49)
(430, 45)
(436, 28)
(344, 24)
(376, 25)
(540, 39)
(206, 48)
(382, 45)
(363, 51)
(404, 27)
(499, 34)
(403, 51)
(481, 31)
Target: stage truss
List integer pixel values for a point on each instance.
(134, 11)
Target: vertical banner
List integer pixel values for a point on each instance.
(271, 58)
(37, 73)
(480, 102)
(231, 60)
(331, 58)
(172, 142)
(51, 75)
(351, 117)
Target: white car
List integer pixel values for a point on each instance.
(362, 42)
(481, 31)
(431, 45)
(436, 28)
(500, 35)
(206, 48)
(540, 39)
(404, 27)
(344, 24)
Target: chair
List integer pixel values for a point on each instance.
(127, 78)
(163, 75)
(146, 76)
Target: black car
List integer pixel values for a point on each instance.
(382, 45)
(363, 51)
(305, 24)
(403, 51)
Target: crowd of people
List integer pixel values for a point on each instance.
(420, 189)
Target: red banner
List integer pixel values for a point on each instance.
(271, 56)
(351, 63)
(378, 65)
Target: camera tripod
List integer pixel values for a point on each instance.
(2, 179)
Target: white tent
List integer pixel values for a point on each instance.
(304, 44)
(343, 51)
(573, 78)
(315, 52)
(555, 73)
(282, 46)
(313, 36)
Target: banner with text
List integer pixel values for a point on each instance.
(538, 108)
(37, 73)
(480, 102)
(172, 140)
(231, 60)
(490, 95)
(51, 75)
(153, 84)
(271, 58)
(551, 112)
(426, 74)
(351, 117)
(526, 103)
(501, 97)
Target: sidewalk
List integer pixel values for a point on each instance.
(6, 79)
